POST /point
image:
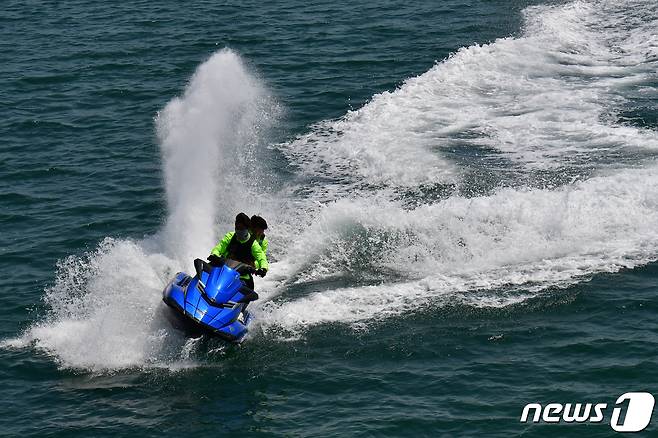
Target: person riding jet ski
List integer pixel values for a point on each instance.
(257, 229)
(242, 246)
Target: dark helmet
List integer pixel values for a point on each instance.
(258, 222)
(242, 219)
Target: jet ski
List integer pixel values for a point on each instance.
(211, 302)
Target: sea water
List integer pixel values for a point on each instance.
(462, 200)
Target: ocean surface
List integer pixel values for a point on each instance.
(462, 199)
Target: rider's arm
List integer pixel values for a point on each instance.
(263, 245)
(221, 249)
(259, 256)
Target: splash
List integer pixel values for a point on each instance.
(104, 308)
(204, 138)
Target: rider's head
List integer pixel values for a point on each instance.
(242, 224)
(258, 226)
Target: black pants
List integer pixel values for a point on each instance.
(249, 282)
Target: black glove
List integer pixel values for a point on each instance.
(261, 272)
(215, 260)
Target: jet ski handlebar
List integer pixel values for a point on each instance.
(216, 261)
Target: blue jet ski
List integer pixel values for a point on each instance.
(212, 302)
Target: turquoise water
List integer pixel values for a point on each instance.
(462, 200)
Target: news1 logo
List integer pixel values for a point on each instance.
(634, 418)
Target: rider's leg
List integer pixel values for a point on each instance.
(249, 282)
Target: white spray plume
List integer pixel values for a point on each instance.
(201, 135)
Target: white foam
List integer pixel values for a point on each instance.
(544, 99)
(460, 247)
(102, 308)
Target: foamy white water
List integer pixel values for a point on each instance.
(457, 248)
(544, 99)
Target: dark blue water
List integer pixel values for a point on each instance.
(461, 199)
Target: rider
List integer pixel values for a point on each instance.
(258, 227)
(243, 247)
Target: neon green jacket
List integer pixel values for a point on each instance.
(263, 244)
(260, 259)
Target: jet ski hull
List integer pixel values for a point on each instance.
(209, 304)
